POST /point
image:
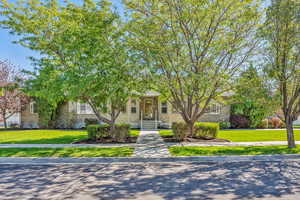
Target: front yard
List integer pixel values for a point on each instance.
(66, 152)
(45, 136)
(249, 135)
(226, 151)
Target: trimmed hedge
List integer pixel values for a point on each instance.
(206, 130)
(101, 131)
(225, 125)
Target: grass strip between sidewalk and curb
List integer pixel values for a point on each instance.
(67, 152)
(227, 151)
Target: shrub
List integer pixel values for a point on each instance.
(264, 124)
(239, 121)
(98, 132)
(207, 130)
(276, 122)
(101, 131)
(90, 121)
(224, 125)
(180, 130)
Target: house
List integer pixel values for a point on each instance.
(146, 112)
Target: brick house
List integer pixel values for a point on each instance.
(146, 112)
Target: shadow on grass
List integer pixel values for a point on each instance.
(243, 180)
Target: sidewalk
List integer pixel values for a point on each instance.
(151, 145)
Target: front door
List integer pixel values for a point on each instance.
(148, 109)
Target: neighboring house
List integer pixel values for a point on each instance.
(147, 112)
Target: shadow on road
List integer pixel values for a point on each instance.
(243, 180)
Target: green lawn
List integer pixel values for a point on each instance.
(250, 135)
(166, 132)
(66, 152)
(220, 151)
(134, 133)
(45, 136)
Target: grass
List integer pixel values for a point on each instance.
(134, 133)
(166, 132)
(250, 135)
(220, 151)
(45, 136)
(66, 152)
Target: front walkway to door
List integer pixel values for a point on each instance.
(151, 145)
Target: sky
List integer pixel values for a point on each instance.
(17, 54)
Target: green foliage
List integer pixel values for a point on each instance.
(47, 112)
(180, 130)
(253, 97)
(224, 125)
(192, 49)
(120, 132)
(85, 56)
(206, 129)
(99, 131)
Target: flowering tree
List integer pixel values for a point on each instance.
(12, 99)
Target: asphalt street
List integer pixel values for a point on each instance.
(232, 180)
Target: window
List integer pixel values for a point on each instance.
(83, 108)
(214, 109)
(33, 107)
(164, 107)
(133, 106)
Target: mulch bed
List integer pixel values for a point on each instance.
(171, 138)
(107, 140)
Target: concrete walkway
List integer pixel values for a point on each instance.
(228, 144)
(151, 145)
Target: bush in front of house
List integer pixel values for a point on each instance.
(239, 121)
(207, 130)
(180, 130)
(90, 121)
(225, 125)
(100, 131)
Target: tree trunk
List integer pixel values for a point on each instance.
(290, 134)
(190, 129)
(5, 123)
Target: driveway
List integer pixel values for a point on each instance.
(236, 180)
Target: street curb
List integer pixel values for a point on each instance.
(100, 160)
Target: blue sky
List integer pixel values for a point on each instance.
(17, 54)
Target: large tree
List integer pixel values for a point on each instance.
(83, 50)
(281, 34)
(12, 99)
(253, 96)
(193, 48)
